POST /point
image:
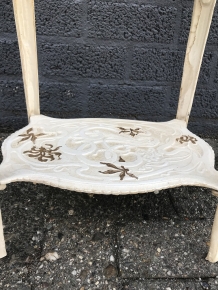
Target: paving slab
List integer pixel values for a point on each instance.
(147, 206)
(192, 203)
(171, 284)
(86, 258)
(166, 249)
(145, 241)
(82, 233)
(13, 276)
(184, 203)
(23, 220)
(24, 207)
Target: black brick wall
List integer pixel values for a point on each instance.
(109, 58)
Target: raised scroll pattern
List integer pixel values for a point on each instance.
(84, 151)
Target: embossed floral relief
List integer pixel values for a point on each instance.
(44, 154)
(186, 138)
(122, 170)
(30, 135)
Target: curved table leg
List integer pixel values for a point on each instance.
(3, 252)
(213, 251)
(2, 186)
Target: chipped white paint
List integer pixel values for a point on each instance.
(25, 24)
(201, 20)
(107, 155)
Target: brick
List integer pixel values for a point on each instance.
(127, 102)
(62, 98)
(204, 127)
(205, 104)
(164, 65)
(7, 23)
(185, 25)
(157, 64)
(54, 98)
(203, 119)
(9, 58)
(82, 60)
(186, 22)
(63, 18)
(216, 75)
(12, 122)
(136, 22)
(52, 17)
(12, 96)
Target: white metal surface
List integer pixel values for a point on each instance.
(107, 155)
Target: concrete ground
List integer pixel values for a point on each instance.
(57, 239)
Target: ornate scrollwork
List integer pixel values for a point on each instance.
(144, 153)
(122, 170)
(30, 136)
(132, 132)
(186, 138)
(43, 154)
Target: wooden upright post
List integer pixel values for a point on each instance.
(26, 32)
(201, 20)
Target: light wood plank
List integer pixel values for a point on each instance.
(201, 20)
(26, 33)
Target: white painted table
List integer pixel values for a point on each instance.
(110, 156)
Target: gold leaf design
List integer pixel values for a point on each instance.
(122, 170)
(44, 154)
(132, 132)
(30, 136)
(186, 138)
